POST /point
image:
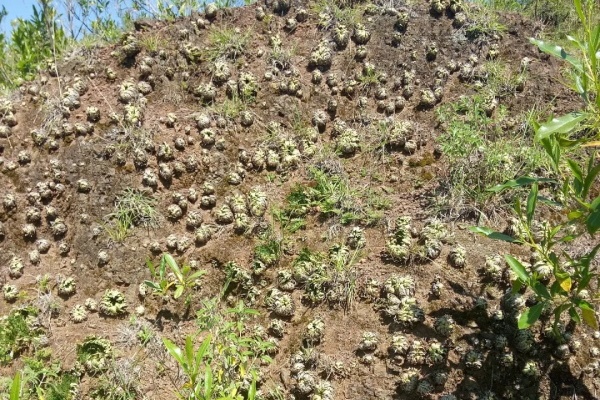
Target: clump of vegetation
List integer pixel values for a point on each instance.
(132, 208)
(226, 364)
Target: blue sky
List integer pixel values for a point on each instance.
(16, 9)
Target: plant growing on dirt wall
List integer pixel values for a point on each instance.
(570, 143)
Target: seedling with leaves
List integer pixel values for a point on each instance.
(184, 278)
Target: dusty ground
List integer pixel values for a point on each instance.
(95, 157)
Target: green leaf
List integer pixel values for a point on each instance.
(178, 291)
(208, 382)
(493, 234)
(558, 52)
(150, 265)
(173, 265)
(531, 202)
(530, 316)
(15, 388)
(593, 172)
(517, 268)
(593, 221)
(541, 290)
(521, 181)
(175, 351)
(252, 391)
(589, 317)
(152, 285)
(202, 350)
(563, 124)
(574, 315)
(578, 176)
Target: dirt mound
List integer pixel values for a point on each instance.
(307, 128)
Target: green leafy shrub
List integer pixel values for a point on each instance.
(569, 142)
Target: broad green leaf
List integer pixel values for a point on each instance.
(202, 350)
(574, 215)
(563, 124)
(574, 315)
(541, 290)
(208, 382)
(531, 202)
(178, 291)
(252, 391)
(15, 388)
(150, 265)
(578, 176)
(530, 316)
(175, 351)
(558, 52)
(189, 350)
(172, 264)
(593, 221)
(152, 285)
(590, 177)
(521, 181)
(517, 268)
(589, 317)
(493, 234)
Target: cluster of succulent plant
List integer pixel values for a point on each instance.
(398, 301)
(66, 286)
(94, 354)
(400, 243)
(79, 313)
(241, 282)
(113, 303)
(15, 267)
(321, 57)
(10, 292)
(280, 303)
(452, 7)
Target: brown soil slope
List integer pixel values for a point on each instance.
(203, 111)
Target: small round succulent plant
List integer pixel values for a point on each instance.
(315, 330)
(58, 228)
(91, 304)
(103, 257)
(400, 285)
(361, 35)
(458, 257)
(356, 238)
(174, 212)
(10, 292)
(15, 267)
(224, 215)
(473, 359)
(203, 234)
(493, 267)
(436, 352)
(424, 388)
(277, 328)
(321, 56)
(113, 303)
(67, 286)
(78, 313)
(368, 342)
(280, 303)
(408, 380)
(445, 325)
(348, 142)
(29, 231)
